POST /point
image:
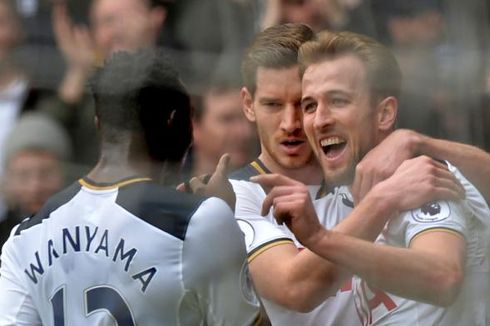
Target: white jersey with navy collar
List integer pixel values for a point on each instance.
(134, 253)
(263, 233)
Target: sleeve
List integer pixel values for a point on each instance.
(434, 216)
(215, 266)
(475, 200)
(261, 232)
(16, 305)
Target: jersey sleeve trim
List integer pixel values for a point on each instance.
(436, 229)
(258, 320)
(266, 246)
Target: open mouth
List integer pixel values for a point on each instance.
(292, 143)
(333, 146)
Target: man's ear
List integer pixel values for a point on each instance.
(247, 104)
(158, 17)
(386, 113)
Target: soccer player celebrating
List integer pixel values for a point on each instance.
(434, 260)
(119, 247)
(297, 286)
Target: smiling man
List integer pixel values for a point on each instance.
(434, 265)
(297, 286)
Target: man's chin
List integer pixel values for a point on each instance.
(294, 162)
(339, 178)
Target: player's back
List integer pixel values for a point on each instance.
(134, 253)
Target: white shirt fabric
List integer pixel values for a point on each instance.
(263, 233)
(471, 219)
(135, 252)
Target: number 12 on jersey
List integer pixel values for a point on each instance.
(102, 299)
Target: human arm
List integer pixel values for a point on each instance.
(78, 49)
(302, 280)
(431, 270)
(16, 305)
(214, 266)
(402, 144)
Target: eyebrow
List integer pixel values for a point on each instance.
(269, 99)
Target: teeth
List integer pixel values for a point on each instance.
(331, 141)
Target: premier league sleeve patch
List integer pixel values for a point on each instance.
(432, 212)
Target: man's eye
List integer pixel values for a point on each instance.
(339, 102)
(272, 104)
(308, 107)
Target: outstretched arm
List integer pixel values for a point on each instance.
(403, 144)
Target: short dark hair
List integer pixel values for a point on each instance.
(276, 47)
(141, 92)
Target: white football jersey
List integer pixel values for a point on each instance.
(132, 253)
(471, 219)
(263, 233)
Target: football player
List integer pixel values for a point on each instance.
(118, 247)
(433, 265)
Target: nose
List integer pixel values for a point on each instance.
(323, 117)
(291, 119)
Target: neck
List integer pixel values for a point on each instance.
(120, 161)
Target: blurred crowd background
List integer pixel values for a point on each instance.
(49, 49)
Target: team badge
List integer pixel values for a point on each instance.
(432, 212)
(248, 231)
(346, 200)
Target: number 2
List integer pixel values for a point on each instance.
(96, 299)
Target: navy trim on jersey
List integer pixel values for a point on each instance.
(165, 208)
(51, 205)
(248, 171)
(258, 167)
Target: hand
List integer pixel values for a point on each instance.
(75, 42)
(216, 185)
(273, 13)
(291, 204)
(418, 181)
(382, 161)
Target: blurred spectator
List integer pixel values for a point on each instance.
(114, 25)
(441, 78)
(219, 126)
(351, 15)
(416, 29)
(14, 85)
(38, 52)
(16, 92)
(211, 32)
(468, 33)
(34, 153)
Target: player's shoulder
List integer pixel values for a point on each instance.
(253, 168)
(53, 203)
(161, 206)
(474, 198)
